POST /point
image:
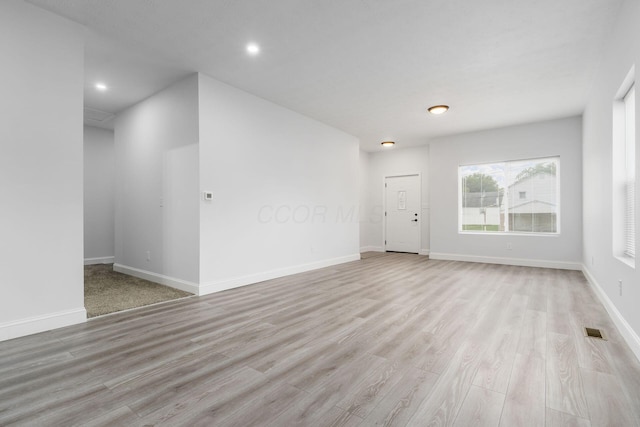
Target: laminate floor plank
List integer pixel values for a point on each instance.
(264, 355)
(162, 374)
(441, 407)
(339, 346)
(525, 400)
(33, 351)
(209, 402)
(494, 370)
(346, 362)
(481, 408)
(54, 409)
(559, 322)
(374, 330)
(560, 419)
(19, 368)
(181, 382)
(92, 367)
(533, 336)
(608, 403)
(391, 345)
(122, 416)
(460, 327)
(264, 408)
(126, 322)
(445, 343)
(318, 407)
(565, 392)
(627, 369)
(339, 418)
(373, 388)
(401, 402)
(537, 290)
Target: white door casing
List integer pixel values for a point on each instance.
(402, 213)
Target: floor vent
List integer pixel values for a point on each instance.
(594, 333)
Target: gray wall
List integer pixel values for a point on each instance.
(41, 82)
(99, 195)
(603, 268)
(544, 139)
(285, 190)
(156, 222)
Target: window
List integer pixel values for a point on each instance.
(630, 172)
(624, 172)
(510, 197)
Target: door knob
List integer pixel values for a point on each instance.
(415, 220)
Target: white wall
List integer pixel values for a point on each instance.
(552, 138)
(157, 201)
(367, 216)
(41, 82)
(99, 195)
(601, 267)
(375, 167)
(285, 190)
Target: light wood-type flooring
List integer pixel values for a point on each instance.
(393, 339)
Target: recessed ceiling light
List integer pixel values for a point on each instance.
(253, 48)
(438, 109)
(387, 143)
(101, 87)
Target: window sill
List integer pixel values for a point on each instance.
(507, 233)
(631, 262)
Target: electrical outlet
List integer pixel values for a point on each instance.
(148, 255)
(620, 286)
(509, 247)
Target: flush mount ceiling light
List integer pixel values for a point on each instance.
(101, 87)
(387, 143)
(253, 49)
(438, 109)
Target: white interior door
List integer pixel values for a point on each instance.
(402, 213)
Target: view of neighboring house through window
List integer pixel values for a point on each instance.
(516, 196)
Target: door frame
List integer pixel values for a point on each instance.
(384, 207)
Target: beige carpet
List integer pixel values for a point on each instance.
(106, 291)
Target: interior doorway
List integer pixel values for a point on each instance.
(402, 213)
(105, 290)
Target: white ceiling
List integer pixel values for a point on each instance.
(368, 67)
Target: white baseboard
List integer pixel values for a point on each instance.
(99, 260)
(560, 265)
(381, 249)
(629, 335)
(371, 249)
(236, 282)
(173, 282)
(34, 325)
